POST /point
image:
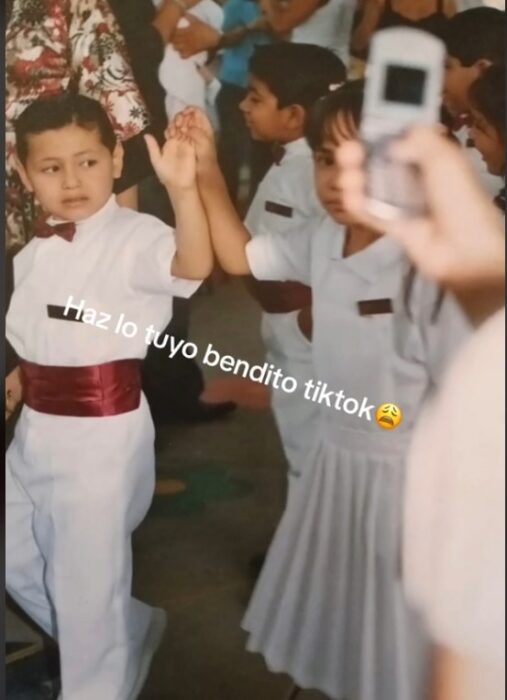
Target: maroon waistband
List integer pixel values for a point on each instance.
(92, 391)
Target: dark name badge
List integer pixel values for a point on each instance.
(58, 312)
(279, 209)
(374, 307)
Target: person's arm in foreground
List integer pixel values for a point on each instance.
(175, 166)
(460, 244)
(453, 676)
(228, 233)
(199, 36)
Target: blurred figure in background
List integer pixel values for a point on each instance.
(183, 78)
(428, 15)
(244, 27)
(327, 24)
(487, 101)
(475, 41)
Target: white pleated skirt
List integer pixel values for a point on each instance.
(329, 608)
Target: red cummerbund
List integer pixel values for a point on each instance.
(92, 391)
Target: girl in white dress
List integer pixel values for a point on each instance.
(329, 608)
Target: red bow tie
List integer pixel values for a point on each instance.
(278, 153)
(65, 230)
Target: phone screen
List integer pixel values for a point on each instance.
(404, 85)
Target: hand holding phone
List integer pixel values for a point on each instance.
(404, 80)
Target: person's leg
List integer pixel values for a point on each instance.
(86, 512)
(24, 573)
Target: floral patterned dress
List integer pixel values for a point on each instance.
(51, 45)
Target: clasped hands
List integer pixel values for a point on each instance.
(188, 153)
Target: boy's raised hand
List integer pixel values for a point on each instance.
(174, 163)
(195, 124)
(197, 118)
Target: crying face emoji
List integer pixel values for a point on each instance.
(389, 416)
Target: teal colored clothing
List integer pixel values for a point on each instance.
(235, 60)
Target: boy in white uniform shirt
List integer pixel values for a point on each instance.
(80, 470)
(286, 79)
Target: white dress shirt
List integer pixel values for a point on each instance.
(119, 262)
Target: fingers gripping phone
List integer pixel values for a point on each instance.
(404, 81)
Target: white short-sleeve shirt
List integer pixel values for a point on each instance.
(286, 198)
(119, 263)
(363, 353)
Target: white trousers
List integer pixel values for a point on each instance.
(76, 488)
(289, 350)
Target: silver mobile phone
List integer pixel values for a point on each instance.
(404, 81)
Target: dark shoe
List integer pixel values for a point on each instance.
(204, 412)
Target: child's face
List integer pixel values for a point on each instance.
(265, 120)
(70, 171)
(327, 170)
(457, 82)
(488, 142)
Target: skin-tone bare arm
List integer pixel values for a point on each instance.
(236, 36)
(175, 166)
(168, 16)
(284, 16)
(460, 677)
(228, 233)
(450, 8)
(372, 12)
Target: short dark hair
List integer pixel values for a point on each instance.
(347, 98)
(487, 95)
(476, 34)
(297, 74)
(57, 111)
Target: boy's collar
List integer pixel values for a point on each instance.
(293, 148)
